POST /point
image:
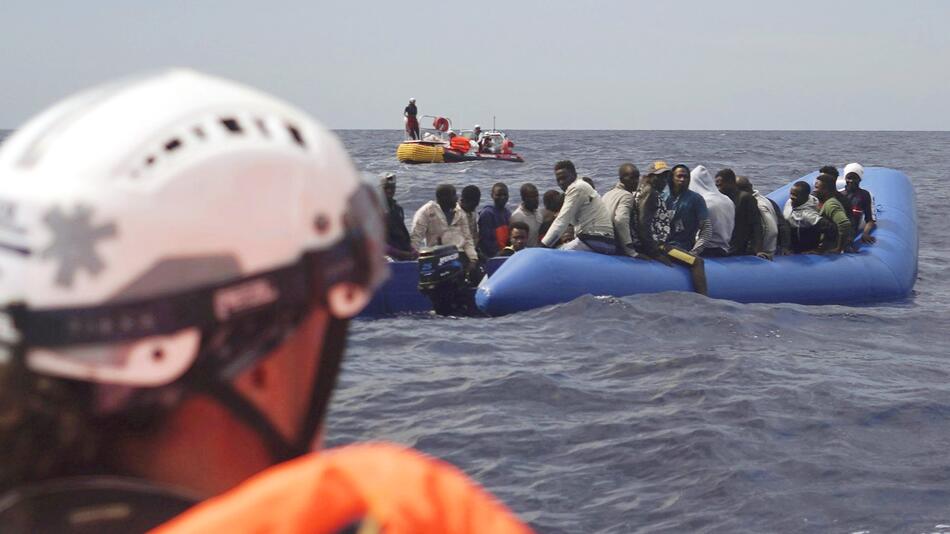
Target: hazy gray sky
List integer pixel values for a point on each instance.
(631, 64)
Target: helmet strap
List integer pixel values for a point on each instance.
(282, 449)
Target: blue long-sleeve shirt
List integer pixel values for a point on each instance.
(490, 219)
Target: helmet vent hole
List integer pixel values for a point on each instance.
(262, 126)
(173, 145)
(199, 132)
(149, 161)
(232, 125)
(158, 354)
(321, 224)
(295, 133)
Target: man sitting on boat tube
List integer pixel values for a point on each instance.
(441, 222)
(584, 209)
(862, 203)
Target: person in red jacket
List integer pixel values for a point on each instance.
(173, 331)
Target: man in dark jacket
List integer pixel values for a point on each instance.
(747, 233)
(493, 222)
(398, 243)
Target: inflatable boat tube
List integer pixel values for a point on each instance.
(400, 293)
(884, 271)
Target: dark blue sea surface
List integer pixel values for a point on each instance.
(675, 412)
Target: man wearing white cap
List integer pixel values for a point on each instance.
(862, 203)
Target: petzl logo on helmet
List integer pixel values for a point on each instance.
(235, 299)
(74, 243)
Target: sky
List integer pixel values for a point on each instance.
(609, 64)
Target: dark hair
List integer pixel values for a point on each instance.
(831, 182)
(628, 168)
(727, 175)
(828, 180)
(588, 180)
(803, 185)
(553, 199)
(830, 170)
(528, 187)
(443, 190)
(471, 192)
(499, 184)
(565, 164)
(680, 166)
(46, 429)
(744, 184)
(519, 225)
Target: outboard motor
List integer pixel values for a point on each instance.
(442, 279)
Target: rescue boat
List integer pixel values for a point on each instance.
(436, 147)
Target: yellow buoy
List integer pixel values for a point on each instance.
(419, 153)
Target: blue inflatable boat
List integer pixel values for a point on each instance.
(400, 293)
(884, 271)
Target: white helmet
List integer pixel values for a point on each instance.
(855, 168)
(143, 219)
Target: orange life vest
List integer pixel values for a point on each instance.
(502, 236)
(460, 143)
(399, 490)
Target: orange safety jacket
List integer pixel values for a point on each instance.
(397, 489)
(460, 143)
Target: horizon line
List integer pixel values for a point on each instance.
(678, 130)
(656, 130)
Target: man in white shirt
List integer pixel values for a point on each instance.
(620, 205)
(583, 209)
(529, 213)
(440, 222)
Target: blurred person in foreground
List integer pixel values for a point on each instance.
(176, 287)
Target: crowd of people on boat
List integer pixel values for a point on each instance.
(667, 214)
